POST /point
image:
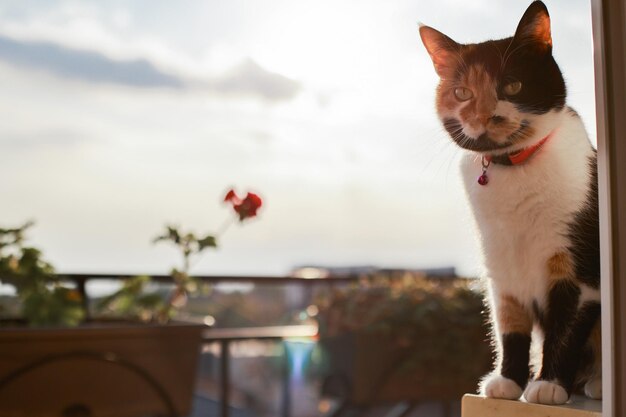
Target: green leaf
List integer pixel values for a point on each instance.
(208, 241)
(171, 233)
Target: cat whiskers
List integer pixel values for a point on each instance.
(461, 138)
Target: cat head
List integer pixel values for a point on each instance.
(498, 96)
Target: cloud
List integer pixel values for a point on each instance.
(246, 79)
(250, 79)
(84, 65)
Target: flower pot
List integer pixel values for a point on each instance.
(99, 370)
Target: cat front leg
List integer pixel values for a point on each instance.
(513, 331)
(567, 324)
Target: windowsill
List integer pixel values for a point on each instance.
(477, 406)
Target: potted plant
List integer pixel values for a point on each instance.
(54, 362)
(414, 338)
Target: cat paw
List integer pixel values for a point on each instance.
(497, 386)
(545, 392)
(593, 388)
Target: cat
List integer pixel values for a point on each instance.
(531, 178)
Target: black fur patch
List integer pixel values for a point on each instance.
(584, 234)
(516, 355)
(561, 307)
(558, 320)
(567, 329)
(565, 357)
(543, 87)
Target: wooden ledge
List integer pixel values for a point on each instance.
(477, 406)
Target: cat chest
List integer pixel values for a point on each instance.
(523, 218)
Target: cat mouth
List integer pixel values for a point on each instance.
(483, 143)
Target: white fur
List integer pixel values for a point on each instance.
(497, 386)
(545, 392)
(593, 388)
(523, 212)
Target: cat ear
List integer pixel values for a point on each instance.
(442, 50)
(534, 27)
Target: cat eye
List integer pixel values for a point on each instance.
(512, 88)
(463, 94)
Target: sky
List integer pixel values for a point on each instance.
(120, 117)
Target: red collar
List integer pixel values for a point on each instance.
(518, 157)
(515, 158)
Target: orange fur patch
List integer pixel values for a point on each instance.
(479, 110)
(560, 266)
(513, 317)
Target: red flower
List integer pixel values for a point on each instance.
(232, 197)
(247, 207)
